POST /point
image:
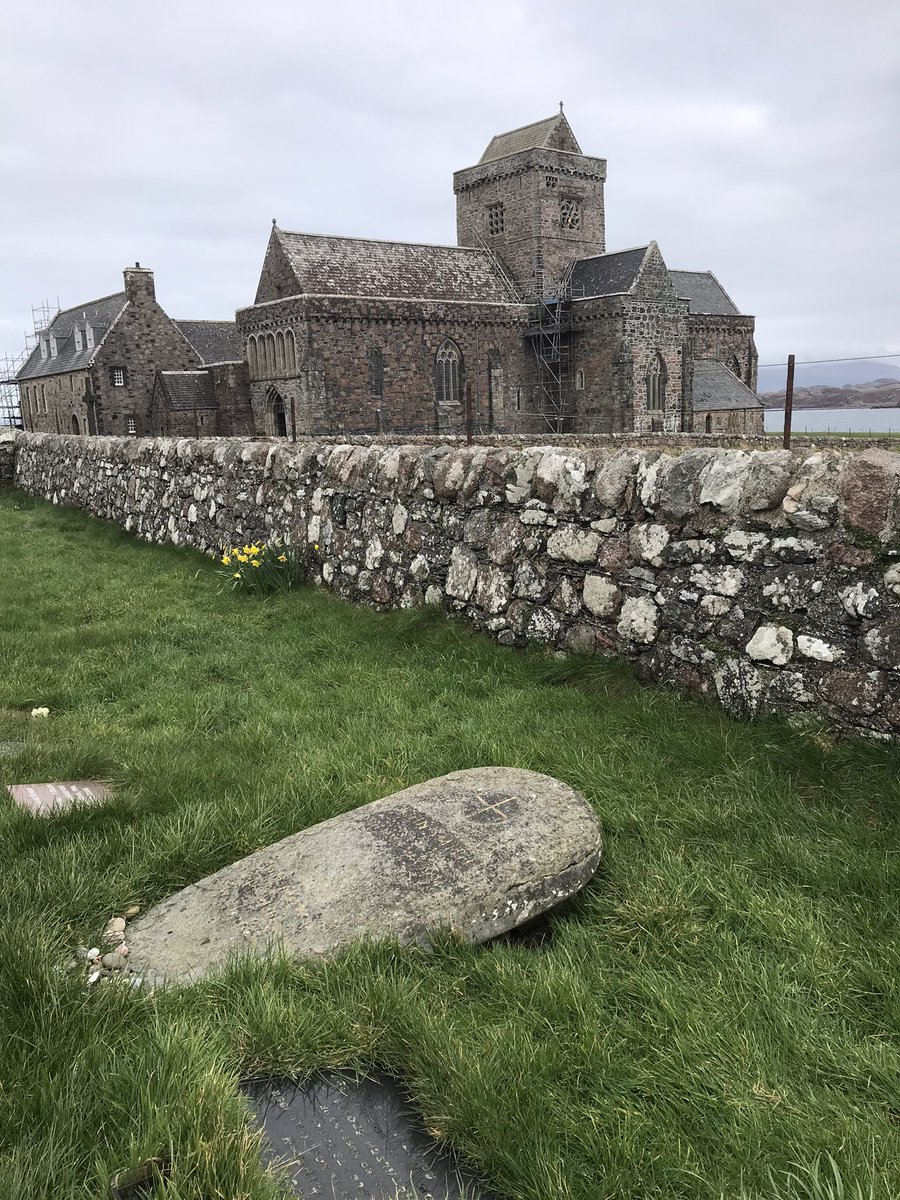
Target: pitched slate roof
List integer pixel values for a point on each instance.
(538, 135)
(187, 389)
(214, 341)
(704, 293)
(99, 314)
(607, 274)
(717, 388)
(342, 266)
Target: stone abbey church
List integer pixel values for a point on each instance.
(528, 325)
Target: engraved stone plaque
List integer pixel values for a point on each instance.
(41, 799)
(345, 1138)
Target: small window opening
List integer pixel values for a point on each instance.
(376, 373)
(550, 181)
(579, 381)
(708, 423)
(131, 427)
(496, 221)
(118, 377)
(518, 399)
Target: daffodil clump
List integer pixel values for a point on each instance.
(258, 567)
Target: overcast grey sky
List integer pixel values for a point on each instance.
(758, 139)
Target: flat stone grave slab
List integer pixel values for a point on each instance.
(42, 799)
(346, 1138)
(478, 852)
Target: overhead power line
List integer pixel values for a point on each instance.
(811, 362)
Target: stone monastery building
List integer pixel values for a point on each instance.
(528, 319)
(528, 324)
(98, 368)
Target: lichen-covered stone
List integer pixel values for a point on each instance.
(639, 620)
(477, 852)
(772, 643)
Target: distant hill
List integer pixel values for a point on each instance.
(880, 393)
(830, 375)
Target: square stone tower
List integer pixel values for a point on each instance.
(535, 200)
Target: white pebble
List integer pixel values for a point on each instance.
(94, 952)
(93, 977)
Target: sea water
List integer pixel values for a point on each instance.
(836, 420)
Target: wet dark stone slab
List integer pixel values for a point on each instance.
(344, 1138)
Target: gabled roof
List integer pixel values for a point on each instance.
(187, 389)
(342, 266)
(100, 314)
(607, 274)
(553, 133)
(214, 341)
(717, 388)
(704, 293)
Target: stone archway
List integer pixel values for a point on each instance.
(277, 414)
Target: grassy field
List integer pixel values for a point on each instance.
(721, 1002)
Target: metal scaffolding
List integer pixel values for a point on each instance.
(551, 341)
(42, 316)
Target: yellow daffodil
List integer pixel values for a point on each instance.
(246, 549)
(316, 546)
(226, 560)
(255, 562)
(282, 558)
(236, 575)
(242, 558)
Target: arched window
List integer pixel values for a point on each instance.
(271, 361)
(277, 413)
(279, 353)
(252, 357)
(707, 425)
(579, 381)
(448, 382)
(735, 366)
(376, 373)
(656, 384)
(290, 353)
(518, 399)
(75, 428)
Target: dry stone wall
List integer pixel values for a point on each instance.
(768, 579)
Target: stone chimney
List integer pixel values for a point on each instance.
(139, 287)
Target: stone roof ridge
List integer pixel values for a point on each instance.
(611, 253)
(716, 388)
(101, 314)
(345, 237)
(699, 293)
(533, 136)
(77, 308)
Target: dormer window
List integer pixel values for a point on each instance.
(89, 336)
(570, 214)
(52, 343)
(45, 349)
(79, 340)
(496, 223)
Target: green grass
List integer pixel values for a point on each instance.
(720, 1003)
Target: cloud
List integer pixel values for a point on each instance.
(172, 133)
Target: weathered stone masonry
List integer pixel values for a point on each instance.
(767, 578)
